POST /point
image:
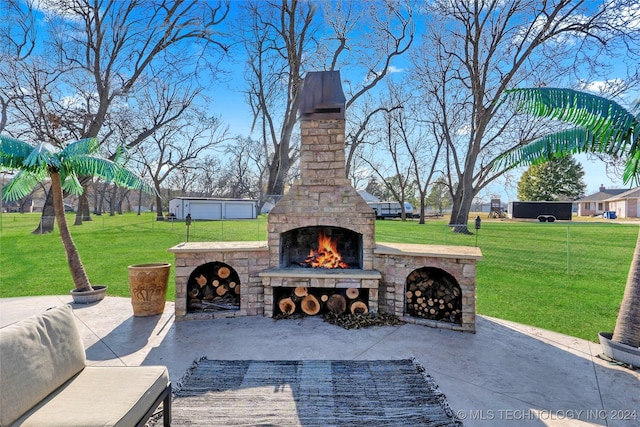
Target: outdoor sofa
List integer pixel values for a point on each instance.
(44, 379)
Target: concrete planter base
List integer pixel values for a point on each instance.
(620, 352)
(97, 294)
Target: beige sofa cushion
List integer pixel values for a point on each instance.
(101, 396)
(37, 355)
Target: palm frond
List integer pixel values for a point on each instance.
(84, 164)
(21, 185)
(13, 152)
(125, 178)
(71, 184)
(85, 146)
(555, 145)
(122, 156)
(602, 126)
(611, 125)
(41, 157)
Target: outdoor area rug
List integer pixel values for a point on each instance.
(309, 393)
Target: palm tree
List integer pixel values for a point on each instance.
(63, 167)
(601, 126)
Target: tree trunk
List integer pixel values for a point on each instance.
(159, 215)
(627, 330)
(460, 212)
(47, 219)
(78, 273)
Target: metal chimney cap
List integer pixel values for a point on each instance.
(321, 96)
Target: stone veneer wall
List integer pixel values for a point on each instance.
(323, 196)
(396, 261)
(246, 258)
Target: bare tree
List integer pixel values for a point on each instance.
(176, 147)
(473, 51)
(285, 39)
(393, 166)
(95, 54)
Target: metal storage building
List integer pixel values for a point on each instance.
(206, 208)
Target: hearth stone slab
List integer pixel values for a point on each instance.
(320, 273)
(436, 251)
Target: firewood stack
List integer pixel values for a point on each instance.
(215, 286)
(433, 296)
(315, 301)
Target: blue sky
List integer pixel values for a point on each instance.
(229, 104)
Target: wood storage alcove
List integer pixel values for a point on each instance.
(311, 301)
(432, 293)
(213, 286)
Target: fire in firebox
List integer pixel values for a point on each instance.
(326, 256)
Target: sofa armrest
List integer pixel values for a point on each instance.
(38, 355)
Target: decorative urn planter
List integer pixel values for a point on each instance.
(620, 352)
(87, 297)
(148, 286)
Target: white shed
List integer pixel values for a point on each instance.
(205, 208)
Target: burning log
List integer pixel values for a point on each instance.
(326, 256)
(435, 298)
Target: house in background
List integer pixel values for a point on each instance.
(625, 205)
(600, 202)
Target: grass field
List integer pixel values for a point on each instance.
(564, 276)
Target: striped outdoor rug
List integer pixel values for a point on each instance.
(309, 393)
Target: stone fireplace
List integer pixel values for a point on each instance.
(321, 243)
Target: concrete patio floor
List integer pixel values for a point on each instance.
(506, 374)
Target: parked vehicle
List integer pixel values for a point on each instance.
(391, 209)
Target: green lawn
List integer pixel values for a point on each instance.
(565, 276)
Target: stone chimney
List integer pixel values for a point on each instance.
(323, 196)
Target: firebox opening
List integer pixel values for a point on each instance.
(213, 286)
(321, 247)
(432, 293)
(313, 301)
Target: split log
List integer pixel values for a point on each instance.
(201, 280)
(224, 272)
(337, 304)
(432, 295)
(300, 292)
(221, 290)
(287, 306)
(358, 307)
(310, 305)
(353, 293)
